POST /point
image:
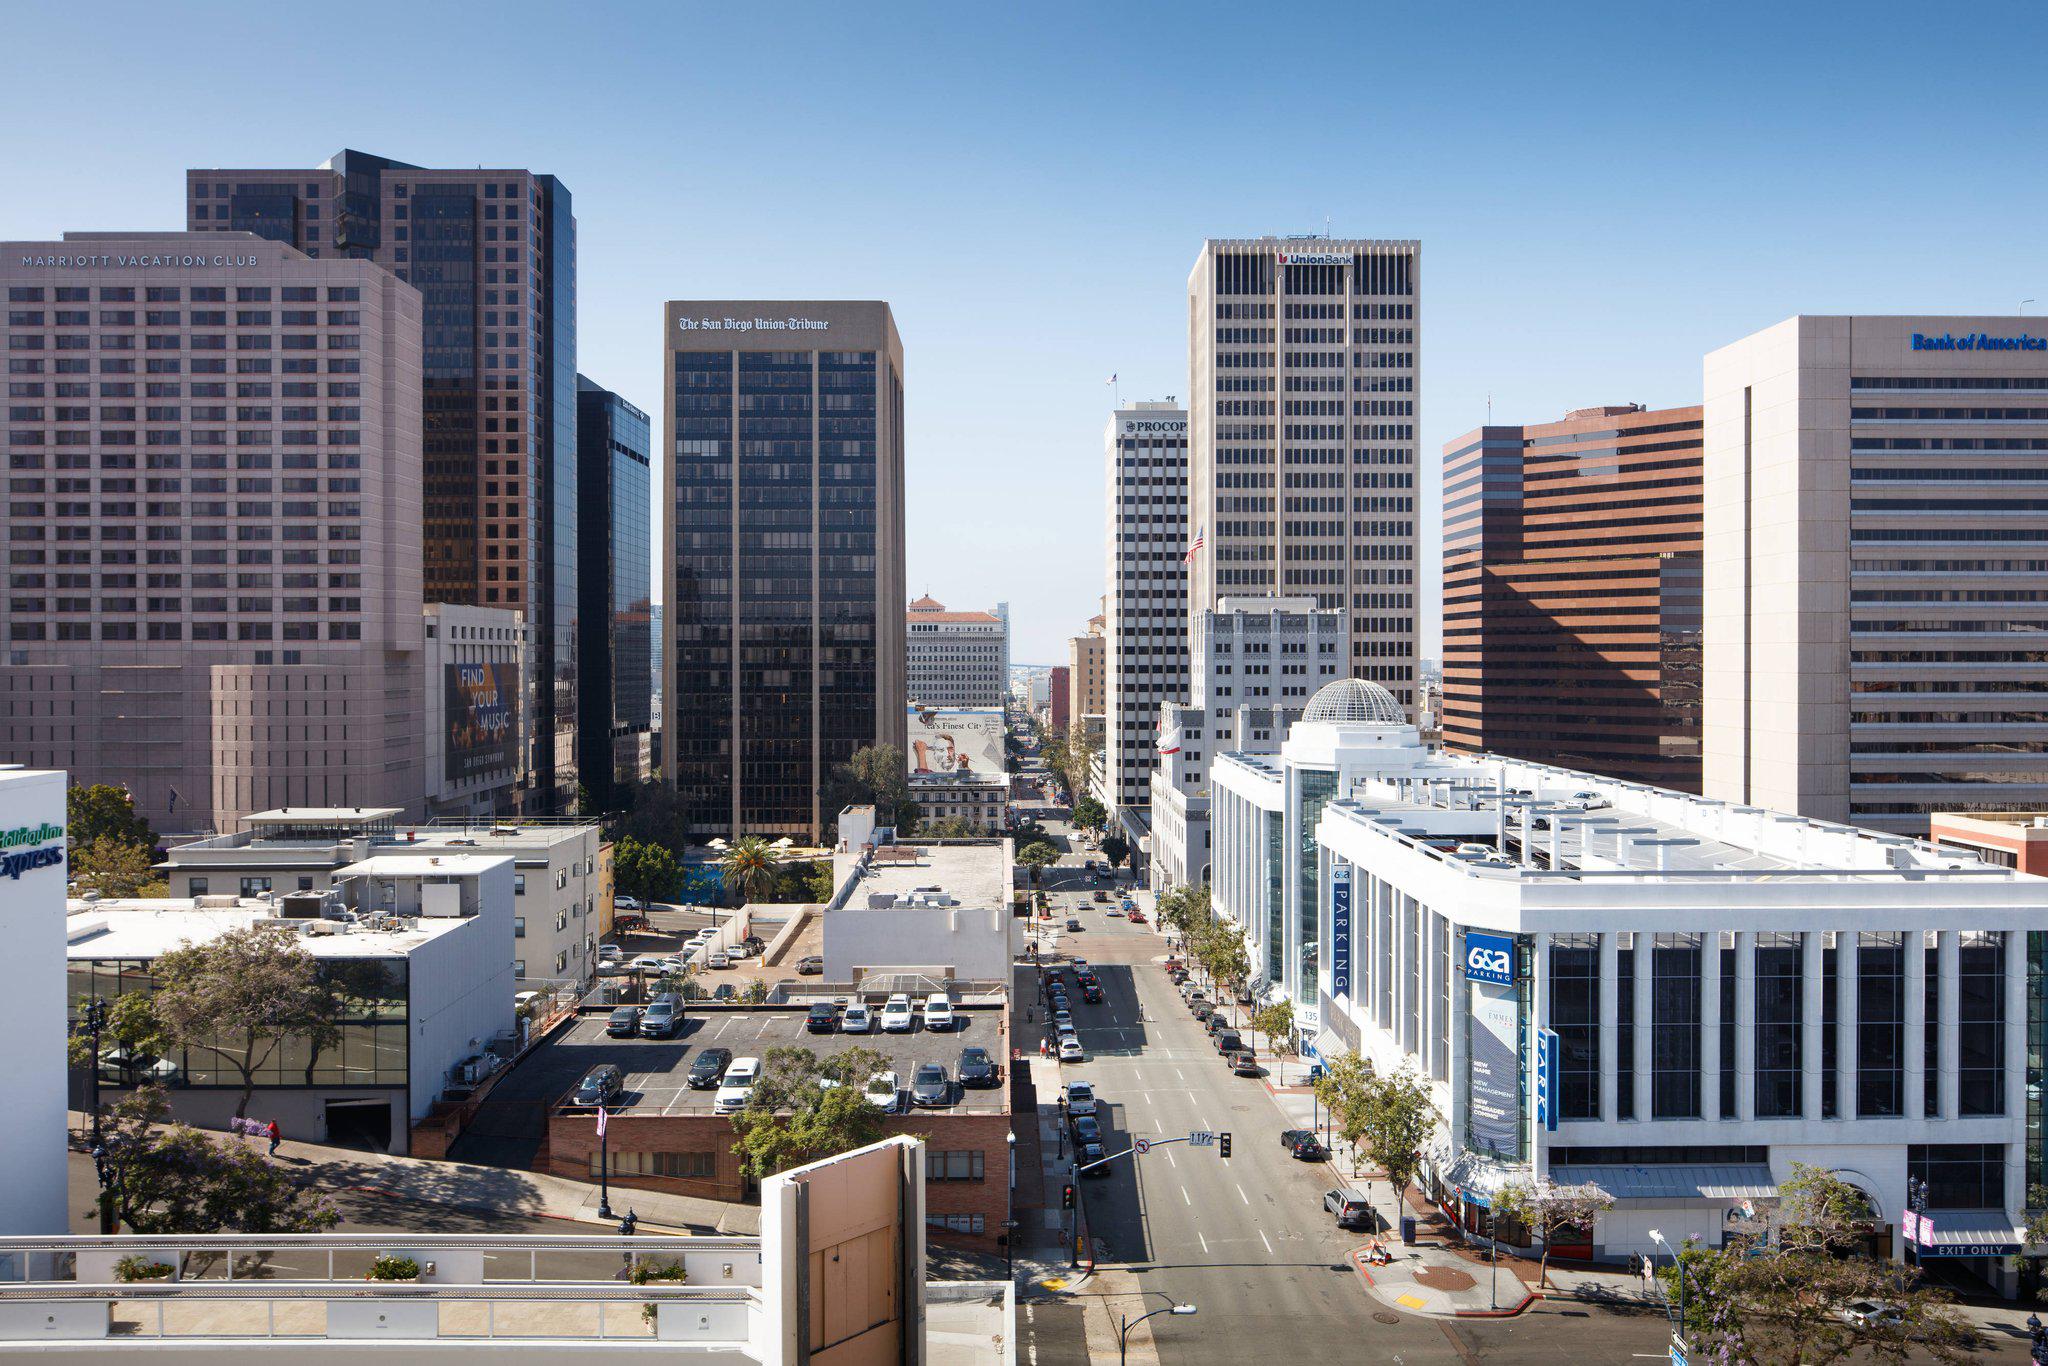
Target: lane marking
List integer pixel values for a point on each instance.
(1242, 1196)
(1267, 1241)
(1205, 1242)
(1184, 1197)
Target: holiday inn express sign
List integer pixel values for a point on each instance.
(26, 848)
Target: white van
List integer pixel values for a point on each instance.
(897, 1016)
(736, 1087)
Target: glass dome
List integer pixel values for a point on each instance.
(1355, 700)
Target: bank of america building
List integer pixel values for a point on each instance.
(1668, 996)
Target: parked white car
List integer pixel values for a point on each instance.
(856, 1018)
(938, 1012)
(884, 1092)
(736, 1087)
(897, 1016)
(609, 953)
(718, 961)
(1070, 1050)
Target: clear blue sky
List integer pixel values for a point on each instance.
(1603, 192)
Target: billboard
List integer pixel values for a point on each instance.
(481, 702)
(955, 740)
(1493, 1072)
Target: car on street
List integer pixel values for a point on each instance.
(1114, 910)
(1092, 994)
(1085, 1153)
(1070, 1049)
(882, 1092)
(613, 967)
(725, 992)
(1136, 917)
(856, 1018)
(822, 1018)
(1349, 1207)
(736, 1087)
(1087, 1129)
(977, 1069)
(1871, 1314)
(709, 1069)
(1080, 964)
(624, 1023)
(1245, 1064)
(1228, 1041)
(1303, 1146)
(601, 1085)
(1215, 1024)
(810, 965)
(938, 1012)
(628, 903)
(1062, 1016)
(930, 1086)
(1080, 1098)
(897, 1016)
(1073, 925)
(1101, 895)
(1203, 1010)
(664, 1016)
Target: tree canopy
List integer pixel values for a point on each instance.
(1551, 1208)
(241, 997)
(103, 811)
(794, 1116)
(1089, 814)
(1389, 1119)
(171, 1178)
(648, 872)
(116, 868)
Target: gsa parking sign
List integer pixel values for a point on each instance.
(1489, 958)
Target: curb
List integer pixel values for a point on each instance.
(1357, 1259)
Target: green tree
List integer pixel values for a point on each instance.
(1343, 1088)
(1089, 813)
(794, 1117)
(243, 997)
(1038, 854)
(1116, 849)
(116, 868)
(1183, 909)
(1219, 947)
(874, 774)
(1079, 767)
(1551, 1209)
(170, 1178)
(653, 815)
(1276, 1021)
(131, 1029)
(103, 811)
(754, 992)
(1052, 752)
(648, 872)
(1390, 1122)
(749, 867)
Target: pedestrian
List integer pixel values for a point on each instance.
(276, 1137)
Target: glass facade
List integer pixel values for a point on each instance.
(373, 1049)
(1625, 1032)
(1959, 1175)
(2037, 1065)
(615, 591)
(552, 456)
(1575, 1016)
(1880, 1023)
(1780, 1034)
(1316, 787)
(697, 716)
(1980, 1033)
(443, 269)
(1276, 896)
(849, 488)
(1675, 1027)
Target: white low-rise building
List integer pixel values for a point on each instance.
(1672, 997)
(421, 945)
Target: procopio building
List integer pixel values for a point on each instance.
(1303, 355)
(783, 572)
(1876, 568)
(213, 531)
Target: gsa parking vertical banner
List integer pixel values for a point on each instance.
(1340, 929)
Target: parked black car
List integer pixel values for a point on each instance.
(600, 1086)
(930, 1086)
(624, 1023)
(706, 1072)
(1091, 1152)
(977, 1069)
(1087, 1129)
(1202, 1010)
(1214, 1023)
(1245, 1064)
(1228, 1041)
(1092, 994)
(1303, 1145)
(822, 1018)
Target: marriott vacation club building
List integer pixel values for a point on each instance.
(1672, 997)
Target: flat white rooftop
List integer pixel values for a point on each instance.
(150, 928)
(324, 815)
(976, 875)
(422, 865)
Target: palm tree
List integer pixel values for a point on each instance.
(749, 866)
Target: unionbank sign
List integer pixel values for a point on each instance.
(26, 848)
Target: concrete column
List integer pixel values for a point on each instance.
(1646, 948)
(1948, 955)
(1710, 1024)
(1745, 1026)
(1461, 1017)
(1916, 1025)
(1425, 997)
(2015, 1041)
(1810, 1011)
(1846, 951)
(1610, 998)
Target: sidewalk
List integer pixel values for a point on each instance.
(503, 1190)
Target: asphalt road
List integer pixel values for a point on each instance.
(1245, 1240)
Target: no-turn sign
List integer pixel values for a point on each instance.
(1143, 1146)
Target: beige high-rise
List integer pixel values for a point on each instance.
(1303, 359)
(212, 527)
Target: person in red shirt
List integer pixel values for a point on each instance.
(276, 1137)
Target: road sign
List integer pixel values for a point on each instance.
(1143, 1145)
(1201, 1138)
(1677, 1351)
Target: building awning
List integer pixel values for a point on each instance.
(1971, 1233)
(1682, 1182)
(1476, 1177)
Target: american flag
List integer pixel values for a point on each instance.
(1195, 546)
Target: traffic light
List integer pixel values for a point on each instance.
(1223, 1142)
(1067, 1196)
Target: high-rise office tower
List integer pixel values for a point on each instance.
(1145, 617)
(956, 659)
(1301, 438)
(783, 569)
(1873, 568)
(212, 534)
(1572, 593)
(1086, 688)
(493, 255)
(614, 585)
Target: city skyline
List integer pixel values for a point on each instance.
(1732, 221)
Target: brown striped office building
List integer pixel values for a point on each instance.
(1572, 593)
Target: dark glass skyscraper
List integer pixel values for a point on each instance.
(783, 571)
(615, 587)
(493, 255)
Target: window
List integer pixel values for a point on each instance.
(519, 884)
(1880, 1023)
(964, 1164)
(1675, 1027)
(1625, 1033)
(1575, 1015)
(698, 1166)
(1980, 1032)
(195, 887)
(255, 886)
(1780, 997)
(519, 927)
(1959, 1175)
(956, 1223)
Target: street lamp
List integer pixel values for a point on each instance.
(92, 1020)
(1010, 1216)
(1678, 1266)
(1124, 1334)
(604, 1165)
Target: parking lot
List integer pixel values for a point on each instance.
(655, 1069)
